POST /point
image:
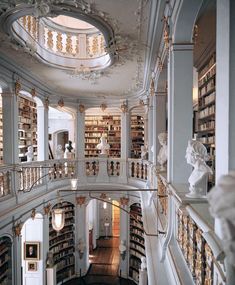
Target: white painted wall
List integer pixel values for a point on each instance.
(33, 231)
(60, 121)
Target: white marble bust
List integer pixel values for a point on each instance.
(144, 152)
(162, 155)
(222, 206)
(103, 145)
(59, 152)
(29, 153)
(196, 155)
(143, 263)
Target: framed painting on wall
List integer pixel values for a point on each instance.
(31, 250)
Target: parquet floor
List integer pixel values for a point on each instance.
(104, 266)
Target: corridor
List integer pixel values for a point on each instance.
(104, 265)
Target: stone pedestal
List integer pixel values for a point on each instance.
(103, 173)
(143, 277)
(51, 275)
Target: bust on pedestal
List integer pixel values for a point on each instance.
(143, 277)
(103, 173)
(69, 151)
(59, 152)
(29, 153)
(222, 206)
(103, 146)
(162, 155)
(50, 269)
(196, 155)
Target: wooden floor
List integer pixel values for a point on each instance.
(105, 259)
(104, 265)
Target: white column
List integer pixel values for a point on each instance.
(42, 130)
(225, 101)
(81, 234)
(80, 134)
(180, 110)
(45, 245)
(225, 88)
(17, 262)
(80, 145)
(146, 129)
(124, 235)
(10, 128)
(160, 118)
(150, 129)
(159, 121)
(125, 145)
(155, 129)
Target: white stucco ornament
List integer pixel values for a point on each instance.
(196, 155)
(103, 145)
(162, 155)
(29, 153)
(222, 206)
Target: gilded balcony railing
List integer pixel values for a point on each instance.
(69, 44)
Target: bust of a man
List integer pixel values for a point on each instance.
(103, 145)
(29, 153)
(143, 263)
(196, 155)
(59, 152)
(222, 204)
(162, 155)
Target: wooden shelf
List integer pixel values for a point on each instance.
(206, 106)
(27, 126)
(137, 248)
(95, 126)
(5, 260)
(62, 245)
(137, 135)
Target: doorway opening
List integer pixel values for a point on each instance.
(115, 219)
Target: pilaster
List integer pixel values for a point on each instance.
(180, 110)
(124, 236)
(81, 235)
(125, 145)
(150, 129)
(80, 145)
(42, 131)
(10, 128)
(225, 102)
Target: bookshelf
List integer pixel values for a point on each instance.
(5, 261)
(137, 135)
(137, 247)
(196, 251)
(98, 125)
(62, 245)
(206, 109)
(27, 126)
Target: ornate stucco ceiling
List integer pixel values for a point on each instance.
(124, 79)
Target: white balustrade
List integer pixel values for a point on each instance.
(138, 168)
(5, 181)
(114, 166)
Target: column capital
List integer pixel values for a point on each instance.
(8, 94)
